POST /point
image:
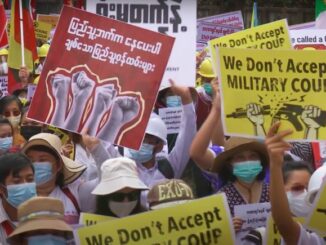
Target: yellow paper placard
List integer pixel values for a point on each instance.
(202, 221)
(259, 87)
(88, 219)
(317, 220)
(50, 19)
(273, 236)
(42, 30)
(274, 35)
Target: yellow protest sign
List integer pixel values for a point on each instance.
(273, 236)
(42, 30)
(50, 19)
(65, 139)
(274, 35)
(317, 220)
(259, 87)
(202, 221)
(88, 219)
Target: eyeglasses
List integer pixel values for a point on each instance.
(10, 113)
(120, 197)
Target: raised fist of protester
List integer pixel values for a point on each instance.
(82, 87)
(276, 145)
(60, 88)
(124, 109)
(237, 223)
(309, 116)
(24, 75)
(182, 91)
(104, 96)
(255, 114)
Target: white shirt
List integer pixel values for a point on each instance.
(84, 157)
(178, 157)
(3, 217)
(308, 238)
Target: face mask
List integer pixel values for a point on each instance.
(144, 154)
(46, 239)
(297, 203)
(17, 194)
(28, 131)
(5, 143)
(247, 171)
(122, 209)
(208, 88)
(173, 101)
(14, 121)
(43, 172)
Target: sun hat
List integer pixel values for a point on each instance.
(116, 174)
(40, 213)
(237, 144)
(169, 193)
(71, 169)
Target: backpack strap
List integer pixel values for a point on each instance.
(7, 226)
(164, 166)
(72, 198)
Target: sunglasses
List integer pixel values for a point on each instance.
(9, 113)
(120, 197)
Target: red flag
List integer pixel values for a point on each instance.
(3, 26)
(15, 54)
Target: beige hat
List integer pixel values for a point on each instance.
(169, 193)
(118, 173)
(71, 169)
(236, 144)
(40, 213)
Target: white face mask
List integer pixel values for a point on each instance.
(122, 209)
(297, 203)
(14, 121)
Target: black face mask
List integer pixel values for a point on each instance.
(28, 131)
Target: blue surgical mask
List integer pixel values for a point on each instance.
(173, 101)
(43, 172)
(17, 194)
(247, 171)
(144, 154)
(5, 143)
(46, 239)
(208, 88)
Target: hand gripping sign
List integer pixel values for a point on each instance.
(101, 75)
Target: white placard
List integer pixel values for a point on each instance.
(174, 18)
(303, 26)
(308, 39)
(30, 91)
(3, 86)
(231, 19)
(172, 118)
(253, 215)
(207, 31)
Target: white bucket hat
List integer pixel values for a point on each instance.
(157, 127)
(116, 174)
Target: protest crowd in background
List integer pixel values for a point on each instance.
(107, 136)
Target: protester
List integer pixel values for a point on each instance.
(6, 135)
(3, 62)
(291, 231)
(42, 52)
(56, 175)
(118, 193)
(11, 108)
(296, 176)
(17, 186)
(41, 221)
(169, 193)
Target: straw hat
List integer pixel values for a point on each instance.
(235, 145)
(118, 173)
(169, 193)
(71, 169)
(40, 213)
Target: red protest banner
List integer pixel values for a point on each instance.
(102, 75)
